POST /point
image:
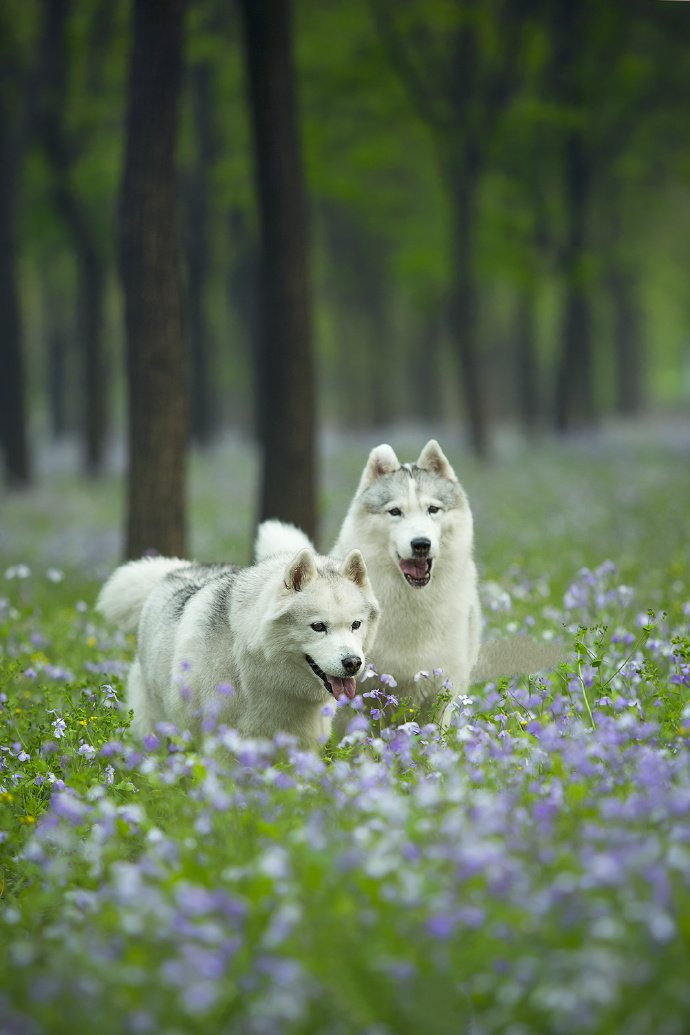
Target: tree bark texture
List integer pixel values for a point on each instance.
(286, 370)
(149, 258)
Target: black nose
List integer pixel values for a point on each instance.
(351, 664)
(420, 547)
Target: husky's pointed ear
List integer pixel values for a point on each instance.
(354, 569)
(432, 458)
(382, 460)
(300, 571)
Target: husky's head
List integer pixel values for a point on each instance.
(412, 512)
(327, 619)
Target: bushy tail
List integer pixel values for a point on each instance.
(274, 537)
(124, 594)
(516, 655)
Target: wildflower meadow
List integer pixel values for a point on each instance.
(524, 869)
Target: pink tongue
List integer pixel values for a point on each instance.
(343, 687)
(415, 569)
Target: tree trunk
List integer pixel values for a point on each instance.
(243, 289)
(286, 376)
(94, 416)
(575, 404)
(201, 390)
(463, 307)
(627, 343)
(13, 418)
(58, 337)
(527, 370)
(424, 372)
(157, 413)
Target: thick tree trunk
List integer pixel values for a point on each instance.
(463, 308)
(13, 417)
(286, 375)
(158, 419)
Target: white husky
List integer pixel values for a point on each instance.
(413, 525)
(260, 647)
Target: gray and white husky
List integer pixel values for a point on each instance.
(262, 648)
(413, 525)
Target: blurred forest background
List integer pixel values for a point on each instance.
(468, 213)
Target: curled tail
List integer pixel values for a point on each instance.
(124, 594)
(275, 537)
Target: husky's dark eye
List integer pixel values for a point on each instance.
(433, 510)
(395, 512)
(356, 625)
(318, 627)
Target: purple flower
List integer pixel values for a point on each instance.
(59, 727)
(113, 747)
(66, 805)
(440, 926)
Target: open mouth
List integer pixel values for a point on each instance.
(335, 685)
(417, 570)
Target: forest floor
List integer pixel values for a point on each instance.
(526, 870)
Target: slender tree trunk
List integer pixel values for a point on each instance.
(201, 384)
(424, 374)
(381, 345)
(527, 369)
(57, 377)
(57, 318)
(575, 404)
(149, 260)
(463, 308)
(287, 388)
(243, 287)
(13, 417)
(94, 417)
(627, 343)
